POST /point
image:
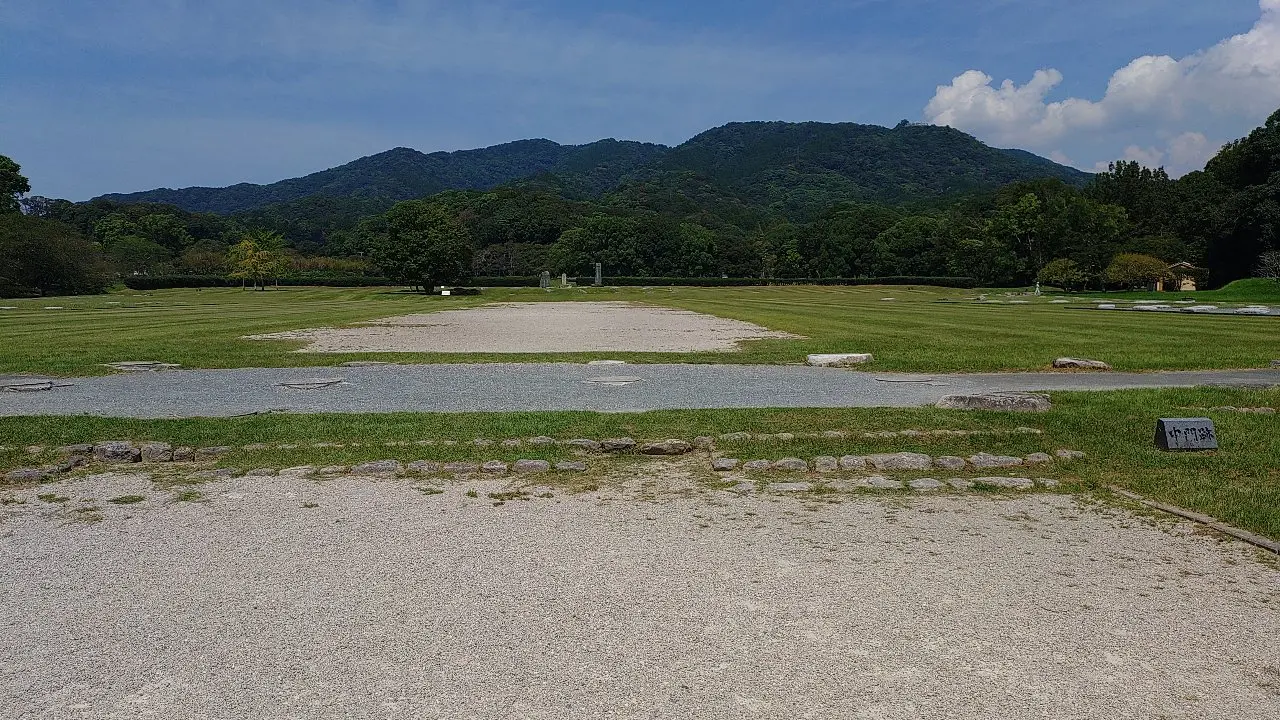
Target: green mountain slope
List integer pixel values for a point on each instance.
(404, 174)
(798, 169)
(792, 169)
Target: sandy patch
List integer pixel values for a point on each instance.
(282, 597)
(537, 328)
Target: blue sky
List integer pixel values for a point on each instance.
(122, 95)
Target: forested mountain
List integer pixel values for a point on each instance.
(794, 169)
(758, 200)
(799, 169)
(403, 174)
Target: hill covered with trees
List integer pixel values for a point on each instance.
(795, 169)
(751, 200)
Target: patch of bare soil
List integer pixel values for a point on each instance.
(549, 327)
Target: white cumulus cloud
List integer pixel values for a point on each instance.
(1164, 100)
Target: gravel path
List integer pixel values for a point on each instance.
(382, 602)
(519, 387)
(538, 328)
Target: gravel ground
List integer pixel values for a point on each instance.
(650, 598)
(538, 328)
(534, 386)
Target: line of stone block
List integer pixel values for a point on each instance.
(893, 461)
(879, 482)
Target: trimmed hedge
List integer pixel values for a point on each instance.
(955, 282)
(160, 282)
(510, 281)
(163, 282)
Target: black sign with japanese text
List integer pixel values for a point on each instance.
(1186, 434)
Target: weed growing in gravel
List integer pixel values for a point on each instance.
(310, 505)
(12, 501)
(188, 496)
(53, 498)
(126, 499)
(429, 490)
(472, 494)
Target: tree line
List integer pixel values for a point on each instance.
(1118, 230)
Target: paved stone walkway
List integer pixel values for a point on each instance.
(523, 387)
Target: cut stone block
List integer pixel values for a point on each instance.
(840, 360)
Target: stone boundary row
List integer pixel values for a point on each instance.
(879, 482)
(158, 450)
(387, 468)
(893, 461)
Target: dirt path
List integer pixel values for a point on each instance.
(651, 597)
(538, 328)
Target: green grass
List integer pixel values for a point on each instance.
(1239, 484)
(922, 329)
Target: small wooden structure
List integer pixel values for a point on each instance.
(1182, 277)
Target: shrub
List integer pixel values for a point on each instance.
(1063, 273)
(1131, 270)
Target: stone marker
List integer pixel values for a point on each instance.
(666, 447)
(184, 454)
(987, 460)
(157, 452)
(757, 465)
(588, 445)
(840, 360)
(545, 281)
(725, 464)
(1069, 454)
(142, 366)
(495, 467)
(1186, 434)
(617, 444)
(884, 483)
(853, 462)
(790, 487)
(25, 475)
(571, 466)
(599, 275)
(901, 461)
(531, 466)
(542, 441)
(117, 451)
(1006, 482)
(1039, 459)
(1006, 402)
(925, 484)
(950, 462)
(704, 442)
(826, 464)
(378, 467)
(1080, 364)
(791, 465)
(458, 468)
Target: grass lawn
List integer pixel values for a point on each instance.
(1239, 484)
(921, 329)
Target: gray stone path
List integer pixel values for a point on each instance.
(518, 387)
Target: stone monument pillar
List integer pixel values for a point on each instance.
(599, 275)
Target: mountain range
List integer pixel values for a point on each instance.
(792, 168)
